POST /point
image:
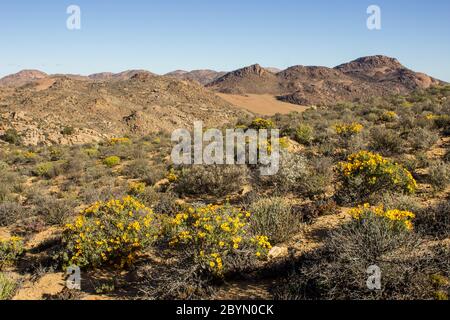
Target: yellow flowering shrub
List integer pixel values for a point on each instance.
(348, 130)
(172, 176)
(112, 232)
(367, 172)
(260, 123)
(389, 116)
(10, 251)
(398, 218)
(215, 233)
(115, 141)
(29, 155)
(136, 188)
(111, 161)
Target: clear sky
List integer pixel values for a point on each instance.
(164, 35)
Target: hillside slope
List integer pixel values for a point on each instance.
(96, 110)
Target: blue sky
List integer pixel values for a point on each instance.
(164, 35)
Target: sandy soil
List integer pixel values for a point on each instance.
(263, 104)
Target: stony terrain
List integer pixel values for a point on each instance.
(359, 184)
(40, 111)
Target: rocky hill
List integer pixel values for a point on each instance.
(201, 76)
(22, 77)
(125, 75)
(252, 79)
(94, 110)
(311, 85)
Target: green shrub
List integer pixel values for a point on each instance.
(439, 175)
(46, 170)
(141, 169)
(10, 251)
(339, 270)
(214, 180)
(422, 139)
(7, 287)
(386, 141)
(304, 134)
(111, 161)
(54, 211)
(92, 152)
(273, 217)
(11, 212)
(318, 178)
(400, 201)
(434, 220)
(68, 131)
(11, 136)
(293, 168)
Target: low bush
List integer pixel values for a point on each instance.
(434, 220)
(52, 210)
(293, 168)
(136, 188)
(7, 287)
(10, 251)
(214, 180)
(304, 134)
(366, 173)
(111, 161)
(218, 235)
(400, 201)
(141, 169)
(11, 136)
(67, 131)
(347, 130)
(422, 139)
(386, 141)
(439, 175)
(11, 212)
(46, 170)
(260, 123)
(340, 270)
(275, 218)
(112, 232)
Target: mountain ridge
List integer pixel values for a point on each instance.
(356, 80)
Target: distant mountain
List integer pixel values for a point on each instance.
(252, 79)
(117, 76)
(307, 85)
(26, 77)
(202, 76)
(22, 77)
(388, 72)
